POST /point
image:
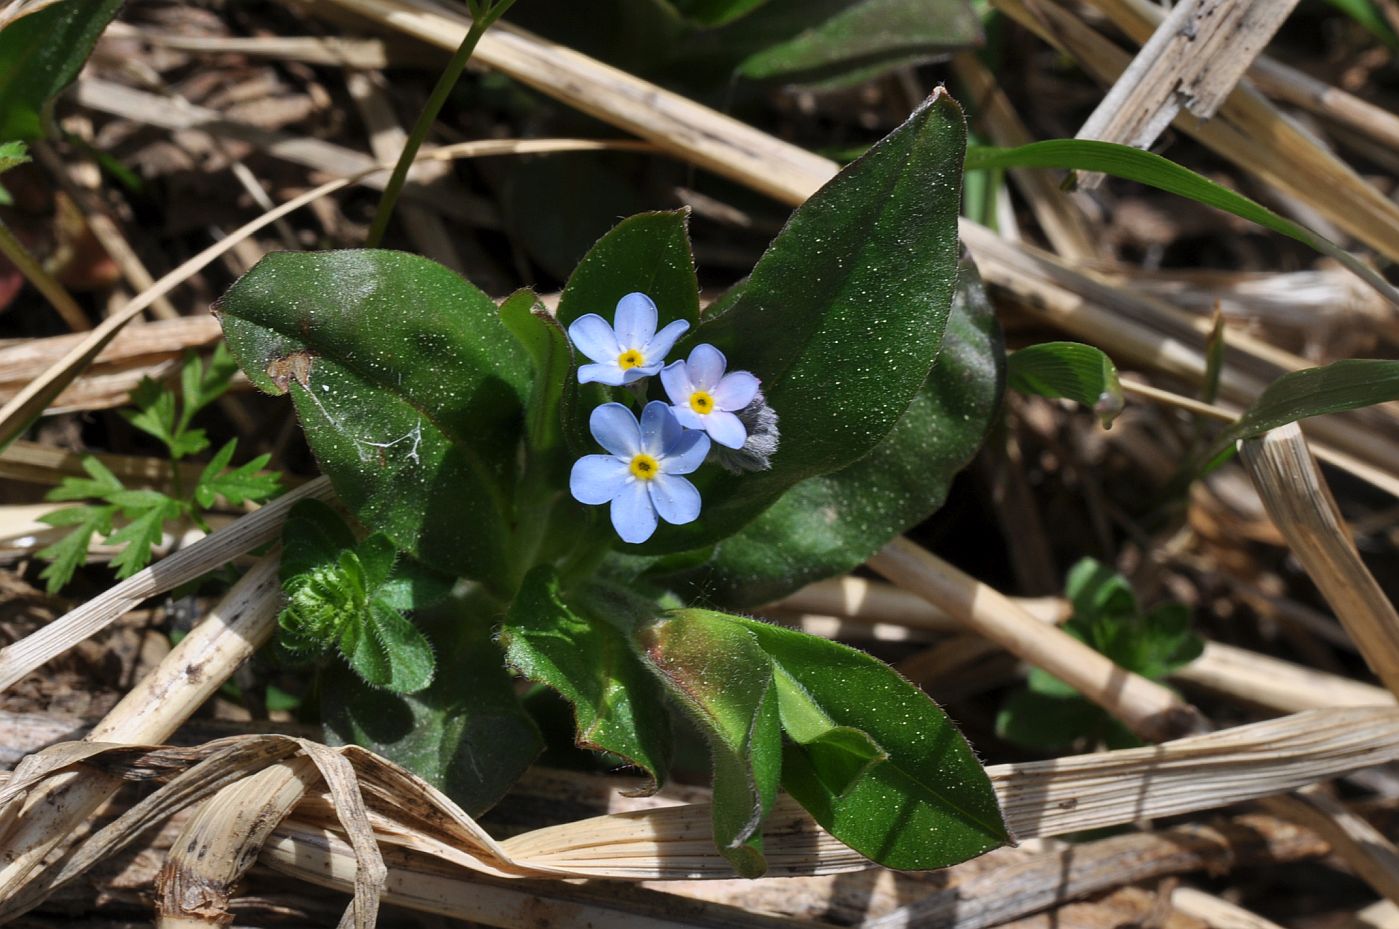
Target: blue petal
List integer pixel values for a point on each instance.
(597, 478)
(660, 346)
(633, 515)
(610, 374)
(686, 454)
(687, 417)
(735, 391)
(706, 366)
(675, 499)
(659, 430)
(726, 429)
(635, 321)
(593, 337)
(614, 427)
(676, 381)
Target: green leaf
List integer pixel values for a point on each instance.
(12, 155)
(409, 387)
(1334, 388)
(466, 733)
(863, 39)
(202, 384)
(843, 315)
(313, 535)
(650, 253)
(877, 763)
(1048, 722)
(70, 552)
(547, 344)
(1078, 372)
(410, 659)
(155, 410)
(618, 706)
(237, 485)
(721, 675)
(828, 525)
(102, 483)
(1365, 13)
(1151, 169)
(40, 54)
(142, 533)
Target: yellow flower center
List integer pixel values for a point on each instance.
(630, 358)
(644, 467)
(701, 402)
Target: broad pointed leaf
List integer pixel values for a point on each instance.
(408, 385)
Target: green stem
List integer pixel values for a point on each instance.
(427, 117)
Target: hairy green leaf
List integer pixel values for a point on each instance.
(650, 253)
(1078, 372)
(466, 733)
(618, 706)
(409, 387)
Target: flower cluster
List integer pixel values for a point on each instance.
(710, 407)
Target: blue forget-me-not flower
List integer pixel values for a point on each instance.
(628, 350)
(706, 398)
(640, 475)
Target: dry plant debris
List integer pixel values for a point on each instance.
(168, 755)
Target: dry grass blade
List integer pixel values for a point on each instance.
(1301, 506)
(1147, 708)
(222, 840)
(1183, 64)
(354, 819)
(36, 822)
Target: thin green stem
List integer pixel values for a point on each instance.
(448, 80)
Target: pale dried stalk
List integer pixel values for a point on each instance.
(873, 602)
(1282, 82)
(1276, 684)
(44, 464)
(1219, 913)
(1381, 915)
(1193, 60)
(247, 533)
(37, 822)
(1147, 708)
(221, 841)
(1301, 506)
(140, 343)
(334, 51)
